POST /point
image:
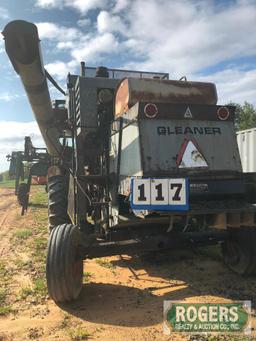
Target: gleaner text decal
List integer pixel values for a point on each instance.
(167, 130)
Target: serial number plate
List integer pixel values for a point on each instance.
(159, 194)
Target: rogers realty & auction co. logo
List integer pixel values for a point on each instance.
(234, 317)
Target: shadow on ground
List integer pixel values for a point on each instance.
(171, 276)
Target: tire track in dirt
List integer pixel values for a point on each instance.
(7, 215)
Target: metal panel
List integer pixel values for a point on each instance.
(246, 140)
(132, 90)
(162, 140)
(86, 101)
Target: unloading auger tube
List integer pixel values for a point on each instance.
(23, 48)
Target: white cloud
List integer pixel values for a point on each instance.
(93, 49)
(83, 6)
(234, 85)
(7, 97)
(187, 36)
(61, 69)
(179, 37)
(12, 138)
(48, 30)
(110, 23)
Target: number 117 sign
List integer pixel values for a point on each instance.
(160, 194)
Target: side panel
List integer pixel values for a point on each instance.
(86, 101)
(130, 157)
(246, 140)
(162, 140)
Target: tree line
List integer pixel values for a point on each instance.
(245, 116)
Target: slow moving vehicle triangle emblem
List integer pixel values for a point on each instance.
(188, 113)
(190, 156)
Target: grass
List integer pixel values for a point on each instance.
(23, 234)
(38, 290)
(87, 276)
(19, 263)
(65, 321)
(40, 243)
(7, 184)
(3, 296)
(78, 334)
(39, 197)
(2, 269)
(105, 263)
(25, 292)
(40, 287)
(5, 310)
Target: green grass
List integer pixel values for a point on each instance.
(39, 197)
(105, 263)
(23, 234)
(3, 296)
(87, 276)
(78, 334)
(40, 243)
(5, 310)
(40, 287)
(7, 184)
(25, 292)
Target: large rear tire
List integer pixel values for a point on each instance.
(239, 251)
(22, 194)
(57, 201)
(64, 267)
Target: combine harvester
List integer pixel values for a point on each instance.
(142, 163)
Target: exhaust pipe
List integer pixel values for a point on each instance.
(23, 48)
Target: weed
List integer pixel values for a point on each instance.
(5, 310)
(3, 296)
(87, 276)
(40, 243)
(78, 334)
(105, 263)
(39, 197)
(23, 234)
(2, 269)
(20, 263)
(7, 184)
(40, 288)
(25, 292)
(65, 322)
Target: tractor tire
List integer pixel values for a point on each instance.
(64, 267)
(57, 201)
(22, 194)
(239, 251)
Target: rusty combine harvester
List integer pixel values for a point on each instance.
(142, 163)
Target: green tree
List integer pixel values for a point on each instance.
(245, 116)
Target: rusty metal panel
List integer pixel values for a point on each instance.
(131, 91)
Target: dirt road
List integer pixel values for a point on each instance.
(122, 298)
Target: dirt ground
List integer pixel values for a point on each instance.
(122, 297)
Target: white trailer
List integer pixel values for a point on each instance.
(246, 140)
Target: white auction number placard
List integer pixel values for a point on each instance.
(159, 194)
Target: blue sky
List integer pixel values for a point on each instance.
(204, 40)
